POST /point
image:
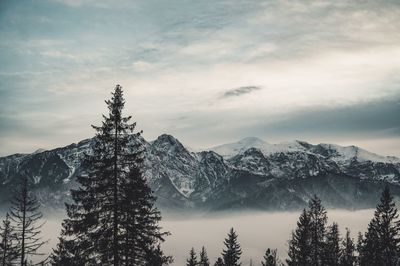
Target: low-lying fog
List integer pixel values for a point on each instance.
(257, 231)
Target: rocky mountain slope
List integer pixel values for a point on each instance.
(249, 174)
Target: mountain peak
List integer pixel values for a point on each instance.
(166, 138)
(167, 142)
(231, 149)
(40, 150)
(251, 141)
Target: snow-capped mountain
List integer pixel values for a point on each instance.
(333, 151)
(250, 173)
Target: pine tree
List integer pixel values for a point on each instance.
(8, 250)
(142, 231)
(270, 258)
(204, 258)
(300, 244)
(192, 260)
(61, 256)
(25, 216)
(318, 220)
(332, 246)
(113, 219)
(369, 247)
(360, 249)
(231, 255)
(381, 243)
(219, 262)
(347, 257)
(157, 257)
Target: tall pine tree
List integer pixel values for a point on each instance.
(381, 244)
(26, 219)
(318, 220)
(113, 219)
(299, 253)
(232, 252)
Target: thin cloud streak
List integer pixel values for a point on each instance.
(241, 91)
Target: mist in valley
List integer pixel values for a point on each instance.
(257, 231)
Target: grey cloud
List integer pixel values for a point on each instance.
(380, 118)
(368, 120)
(241, 91)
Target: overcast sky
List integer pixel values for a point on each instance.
(207, 72)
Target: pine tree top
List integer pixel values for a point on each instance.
(203, 257)
(192, 260)
(232, 252)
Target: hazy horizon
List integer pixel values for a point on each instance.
(257, 231)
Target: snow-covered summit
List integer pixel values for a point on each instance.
(339, 154)
(342, 154)
(234, 148)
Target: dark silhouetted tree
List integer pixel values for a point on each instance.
(318, 220)
(204, 261)
(270, 258)
(61, 255)
(300, 243)
(381, 244)
(370, 249)
(112, 219)
(26, 218)
(360, 249)
(332, 246)
(157, 257)
(232, 252)
(142, 235)
(8, 251)
(219, 262)
(192, 260)
(347, 257)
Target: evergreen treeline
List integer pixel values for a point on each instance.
(315, 243)
(113, 219)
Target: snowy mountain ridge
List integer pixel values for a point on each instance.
(340, 153)
(250, 173)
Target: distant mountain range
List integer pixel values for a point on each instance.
(249, 174)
